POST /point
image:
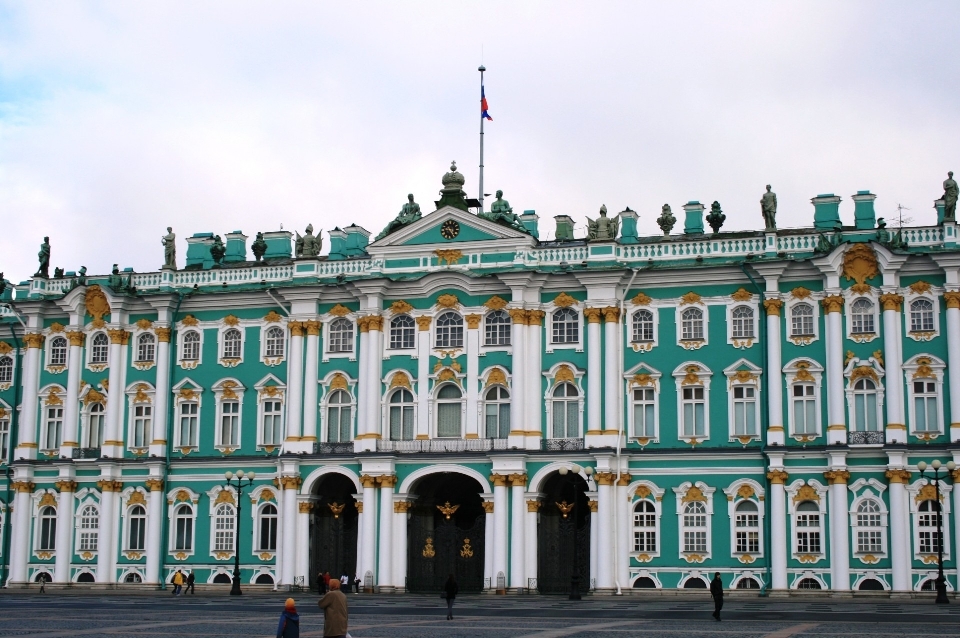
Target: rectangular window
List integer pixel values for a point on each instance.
(925, 406)
(338, 423)
(230, 423)
(272, 423)
(865, 412)
(929, 542)
(808, 540)
(694, 410)
(141, 425)
(644, 541)
(223, 534)
(644, 425)
(138, 532)
(48, 532)
(54, 428)
(804, 409)
(188, 424)
(869, 542)
(744, 410)
(401, 422)
(448, 419)
(268, 533)
(497, 420)
(184, 535)
(4, 438)
(695, 541)
(747, 533)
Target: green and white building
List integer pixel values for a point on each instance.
(459, 396)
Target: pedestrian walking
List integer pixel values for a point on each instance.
(450, 590)
(344, 583)
(321, 586)
(326, 581)
(356, 585)
(190, 580)
(43, 581)
(289, 626)
(177, 583)
(716, 590)
(334, 606)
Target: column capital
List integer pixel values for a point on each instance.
(625, 479)
(535, 317)
(401, 507)
(952, 298)
(33, 340)
(313, 328)
(488, 507)
(533, 505)
(296, 328)
(387, 480)
(517, 480)
(368, 481)
(519, 315)
(593, 504)
(777, 477)
(66, 486)
(154, 484)
(473, 321)
(592, 315)
(605, 478)
(835, 477)
(118, 336)
(359, 506)
(163, 335)
(76, 337)
(891, 301)
(304, 507)
(611, 314)
(290, 482)
(23, 486)
(833, 303)
(110, 486)
(423, 322)
(897, 476)
(773, 306)
(499, 480)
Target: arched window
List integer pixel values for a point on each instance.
(644, 413)
(401, 415)
(744, 410)
(89, 525)
(695, 527)
(146, 347)
(691, 324)
(223, 520)
(53, 425)
(449, 401)
(4, 441)
(497, 328)
(644, 527)
(644, 582)
(341, 335)
(747, 523)
(93, 434)
(402, 332)
(808, 528)
(497, 411)
(132, 577)
(99, 348)
(870, 584)
(339, 423)
(804, 408)
(264, 579)
(694, 583)
(801, 320)
(929, 540)
(642, 326)
(58, 351)
(566, 412)
(191, 346)
(566, 326)
(137, 528)
(268, 529)
(808, 583)
(865, 406)
(921, 316)
(742, 322)
(869, 528)
(6, 369)
(272, 422)
(275, 342)
(861, 316)
(86, 577)
(748, 583)
(48, 529)
(449, 330)
(232, 340)
(183, 528)
(926, 413)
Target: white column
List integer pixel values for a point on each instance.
(423, 377)
(952, 324)
(899, 540)
(605, 495)
(363, 364)
(61, 571)
(303, 541)
(594, 371)
(368, 560)
(893, 367)
(530, 546)
(106, 554)
(161, 399)
(311, 382)
(611, 373)
(294, 384)
(517, 531)
(956, 511)
(775, 432)
(836, 419)
(500, 536)
(534, 379)
(113, 421)
(472, 430)
(20, 545)
(623, 531)
(71, 409)
(594, 537)
(373, 377)
(778, 529)
(400, 508)
(27, 437)
(385, 559)
(489, 538)
(518, 424)
(289, 531)
(839, 530)
(155, 522)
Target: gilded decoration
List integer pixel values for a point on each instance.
(693, 558)
(5, 348)
(296, 328)
(605, 478)
(358, 505)
(428, 550)
(190, 320)
(924, 371)
(565, 508)
(448, 510)
(869, 559)
(746, 559)
(535, 317)
(692, 377)
(400, 380)
(488, 507)
(92, 396)
(448, 257)
(32, 340)
(835, 477)
(743, 376)
(154, 484)
(466, 551)
(642, 491)
(180, 556)
(448, 301)
(929, 559)
(423, 322)
(495, 303)
(808, 558)
(920, 287)
(338, 382)
(533, 505)
(446, 375)
(611, 314)
(693, 494)
(110, 486)
(401, 507)
(746, 491)
(496, 377)
(742, 295)
(96, 303)
(564, 373)
(222, 555)
(806, 493)
(641, 379)
(118, 336)
(267, 495)
(952, 299)
(3, 413)
(400, 307)
(137, 498)
(861, 289)
(272, 317)
(772, 306)
(863, 372)
(313, 328)
(592, 315)
(66, 486)
(563, 300)
(593, 506)
(186, 394)
(800, 293)
(803, 372)
(640, 299)
(225, 496)
(23, 486)
(897, 476)
(306, 506)
(833, 303)
(891, 301)
(387, 480)
(927, 493)
(182, 496)
(231, 320)
(56, 327)
(848, 358)
(271, 391)
(228, 389)
(339, 311)
(140, 396)
(473, 321)
(291, 482)
(690, 298)
(52, 398)
(518, 315)
(47, 499)
(860, 263)
(644, 558)
(878, 356)
(163, 335)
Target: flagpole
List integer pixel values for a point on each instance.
(480, 195)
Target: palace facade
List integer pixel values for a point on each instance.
(460, 397)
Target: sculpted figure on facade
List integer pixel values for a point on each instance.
(259, 247)
(169, 242)
(44, 257)
(308, 245)
(502, 213)
(950, 192)
(409, 213)
(603, 228)
(217, 251)
(666, 221)
(768, 206)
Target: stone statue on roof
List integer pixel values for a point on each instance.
(308, 245)
(950, 192)
(768, 206)
(409, 213)
(502, 213)
(217, 251)
(169, 242)
(259, 247)
(603, 228)
(44, 257)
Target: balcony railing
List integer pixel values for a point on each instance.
(561, 445)
(333, 448)
(442, 445)
(865, 438)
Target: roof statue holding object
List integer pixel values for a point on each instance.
(603, 228)
(409, 213)
(768, 206)
(502, 213)
(950, 191)
(44, 257)
(308, 245)
(169, 242)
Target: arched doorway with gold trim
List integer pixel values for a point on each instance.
(333, 528)
(563, 535)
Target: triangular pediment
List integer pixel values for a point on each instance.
(461, 226)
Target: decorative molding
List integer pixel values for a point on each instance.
(773, 306)
(564, 373)
(272, 317)
(423, 322)
(920, 287)
(641, 299)
(806, 493)
(400, 307)
(742, 295)
(952, 299)
(339, 311)
(190, 320)
(448, 256)
(96, 302)
(833, 303)
(495, 303)
(563, 300)
(897, 476)
(690, 298)
(473, 321)
(231, 320)
(891, 301)
(448, 301)
(837, 477)
(800, 293)
(496, 377)
(860, 264)
(592, 315)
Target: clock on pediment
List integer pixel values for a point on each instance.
(450, 229)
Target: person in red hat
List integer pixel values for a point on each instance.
(289, 626)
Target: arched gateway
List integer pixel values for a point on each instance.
(445, 533)
(563, 535)
(333, 528)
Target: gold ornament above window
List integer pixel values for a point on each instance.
(920, 287)
(860, 264)
(693, 494)
(339, 311)
(742, 295)
(563, 300)
(448, 301)
(564, 373)
(400, 307)
(640, 299)
(495, 303)
(96, 303)
(690, 298)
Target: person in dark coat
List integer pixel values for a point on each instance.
(289, 626)
(335, 614)
(190, 580)
(450, 590)
(716, 590)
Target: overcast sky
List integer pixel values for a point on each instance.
(119, 119)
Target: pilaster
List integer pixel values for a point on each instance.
(294, 387)
(311, 381)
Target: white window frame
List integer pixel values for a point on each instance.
(388, 336)
(644, 346)
(509, 330)
(145, 364)
(484, 402)
(326, 320)
(5, 385)
(703, 374)
(933, 296)
(96, 366)
(258, 517)
(50, 366)
(865, 337)
(743, 342)
(325, 406)
(791, 371)
(190, 364)
(222, 359)
(280, 395)
(6, 419)
(265, 329)
(45, 420)
(131, 393)
(434, 345)
(435, 402)
(631, 385)
(654, 497)
(548, 396)
(213, 495)
(946, 493)
(173, 504)
(693, 344)
(385, 418)
(734, 499)
(792, 504)
(219, 389)
(85, 502)
(681, 492)
(176, 403)
(733, 382)
(328, 332)
(126, 519)
(868, 490)
(549, 345)
(38, 523)
(910, 368)
(850, 392)
(811, 299)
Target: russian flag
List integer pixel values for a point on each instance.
(483, 105)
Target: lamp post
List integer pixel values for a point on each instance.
(566, 509)
(239, 476)
(941, 579)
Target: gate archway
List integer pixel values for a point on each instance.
(445, 533)
(563, 535)
(333, 528)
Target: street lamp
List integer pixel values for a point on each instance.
(571, 508)
(239, 476)
(941, 579)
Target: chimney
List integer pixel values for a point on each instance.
(198, 250)
(628, 226)
(826, 214)
(236, 247)
(278, 244)
(338, 244)
(357, 240)
(864, 216)
(564, 227)
(530, 220)
(693, 223)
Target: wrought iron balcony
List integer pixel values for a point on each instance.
(442, 445)
(333, 448)
(86, 453)
(561, 445)
(865, 438)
